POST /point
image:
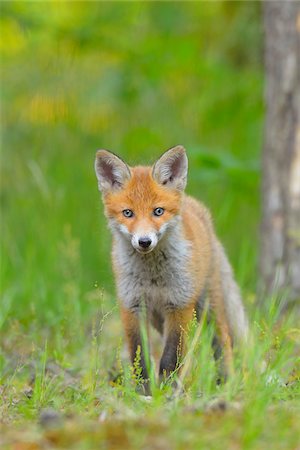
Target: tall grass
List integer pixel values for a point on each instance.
(257, 407)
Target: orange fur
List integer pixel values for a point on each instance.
(199, 258)
(142, 194)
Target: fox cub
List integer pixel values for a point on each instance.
(166, 257)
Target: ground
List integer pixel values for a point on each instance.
(78, 392)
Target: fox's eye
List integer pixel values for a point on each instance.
(158, 211)
(127, 213)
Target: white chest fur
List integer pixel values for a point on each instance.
(159, 279)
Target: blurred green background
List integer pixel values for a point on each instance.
(135, 78)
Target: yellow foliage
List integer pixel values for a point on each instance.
(44, 109)
(13, 39)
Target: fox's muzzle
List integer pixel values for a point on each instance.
(144, 243)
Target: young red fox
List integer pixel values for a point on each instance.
(166, 256)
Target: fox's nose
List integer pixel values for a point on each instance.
(145, 242)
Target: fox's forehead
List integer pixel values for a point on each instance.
(142, 192)
(141, 187)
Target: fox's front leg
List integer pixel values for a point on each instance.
(175, 327)
(132, 330)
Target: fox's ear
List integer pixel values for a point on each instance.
(171, 168)
(112, 173)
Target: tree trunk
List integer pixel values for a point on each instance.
(280, 231)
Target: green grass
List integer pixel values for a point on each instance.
(85, 380)
(135, 78)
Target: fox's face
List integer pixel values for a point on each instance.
(142, 203)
